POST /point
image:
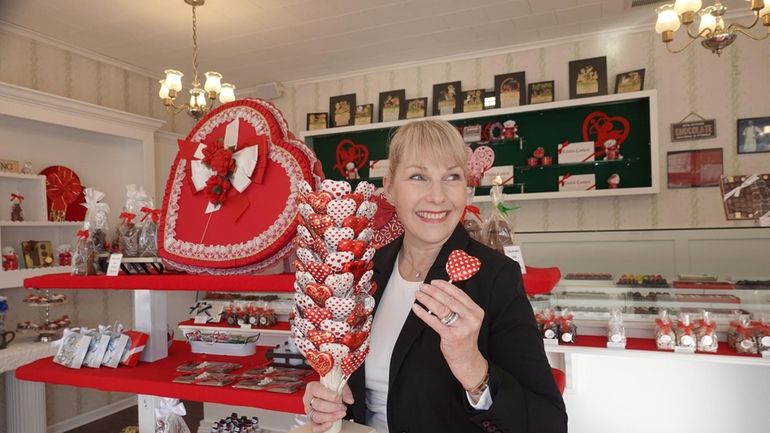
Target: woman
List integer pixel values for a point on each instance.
(464, 357)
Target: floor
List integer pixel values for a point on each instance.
(128, 417)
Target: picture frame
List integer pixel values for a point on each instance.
(364, 114)
(510, 89)
(631, 81)
(588, 77)
(392, 105)
(541, 92)
(37, 254)
(447, 98)
(473, 100)
(753, 135)
(694, 168)
(342, 110)
(317, 121)
(416, 108)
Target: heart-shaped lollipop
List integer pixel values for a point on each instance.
(321, 362)
(460, 266)
(354, 360)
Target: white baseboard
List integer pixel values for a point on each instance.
(91, 416)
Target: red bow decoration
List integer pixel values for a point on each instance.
(385, 211)
(472, 209)
(686, 328)
(564, 178)
(62, 188)
(565, 322)
(663, 325)
(18, 197)
(152, 213)
(127, 217)
(83, 234)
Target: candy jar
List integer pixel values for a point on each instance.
(616, 331)
(10, 259)
(84, 257)
(17, 213)
(497, 233)
(472, 217)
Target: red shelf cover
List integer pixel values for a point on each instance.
(155, 378)
(210, 283)
(280, 326)
(648, 344)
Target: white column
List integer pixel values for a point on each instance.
(147, 405)
(25, 405)
(150, 317)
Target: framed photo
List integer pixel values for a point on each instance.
(37, 254)
(510, 90)
(754, 135)
(632, 81)
(416, 108)
(392, 105)
(317, 121)
(364, 114)
(541, 92)
(588, 77)
(446, 98)
(341, 110)
(694, 168)
(473, 100)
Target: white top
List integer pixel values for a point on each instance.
(395, 305)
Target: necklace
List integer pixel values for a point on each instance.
(414, 268)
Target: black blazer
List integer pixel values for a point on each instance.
(424, 396)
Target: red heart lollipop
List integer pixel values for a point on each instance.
(461, 266)
(320, 361)
(353, 361)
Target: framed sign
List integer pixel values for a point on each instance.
(541, 92)
(446, 98)
(694, 168)
(364, 114)
(341, 110)
(473, 100)
(317, 121)
(632, 81)
(588, 77)
(510, 90)
(416, 108)
(754, 135)
(392, 105)
(697, 130)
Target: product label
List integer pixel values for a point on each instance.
(616, 338)
(514, 252)
(549, 333)
(707, 340)
(575, 153)
(664, 339)
(747, 344)
(687, 340)
(765, 341)
(566, 337)
(114, 265)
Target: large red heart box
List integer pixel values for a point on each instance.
(252, 229)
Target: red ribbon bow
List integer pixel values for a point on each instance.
(152, 213)
(564, 178)
(686, 328)
(664, 326)
(82, 234)
(62, 188)
(385, 211)
(472, 209)
(127, 217)
(18, 197)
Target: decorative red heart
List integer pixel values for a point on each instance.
(357, 316)
(357, 268)
(599, 127)
(356, 197)
(321, 362)
(319, 200)
(317, 315)
(353, 361)
(357, 223)
(355, 247)
(348, 151)
(354, 339)
(461, 266)
(319, 337)
(319, 223)
(319, 271)
(318, 293)
(298, 265)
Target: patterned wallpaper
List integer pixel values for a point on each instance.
(725, 88)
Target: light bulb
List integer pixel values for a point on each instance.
(668, 19)
(227, 94)
(173, 79)
(213, 82)
(163, 93)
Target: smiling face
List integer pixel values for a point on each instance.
(427, 182)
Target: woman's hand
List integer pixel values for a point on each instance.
(459, 339)
(323, 406)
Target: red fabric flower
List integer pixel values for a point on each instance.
(222, 162)
(217, 188)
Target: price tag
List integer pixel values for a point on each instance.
(611, 345)
(550, 342)
(114, 266)
(200, 320)
(684, 349)
(514, 252)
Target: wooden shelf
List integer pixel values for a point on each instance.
(155, 378)
(207, 283)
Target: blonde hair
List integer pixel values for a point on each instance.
(429, 139)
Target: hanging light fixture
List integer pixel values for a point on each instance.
(712, 31)
(201, 99)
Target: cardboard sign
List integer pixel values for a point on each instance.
(577, 182)
(575, 153)
(505, 173)
(378, 168)
(698, 130)
(114, 265)
(514, 252)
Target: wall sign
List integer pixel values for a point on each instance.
(697, 130)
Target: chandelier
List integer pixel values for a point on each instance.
(201, 99)
(712, 30)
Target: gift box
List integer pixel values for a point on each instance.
(746, 197)
(231, 200)
(134, 347)
(575, 153)
(378, 168)
(115, 348)
(577, 182)
(505, 173)
(73, 347)
(100, 339)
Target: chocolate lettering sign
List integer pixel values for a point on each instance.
(699, 130)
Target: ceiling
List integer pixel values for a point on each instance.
(257, 41)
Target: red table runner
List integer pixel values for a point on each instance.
(224, 283)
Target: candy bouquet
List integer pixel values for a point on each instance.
(334, 303)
